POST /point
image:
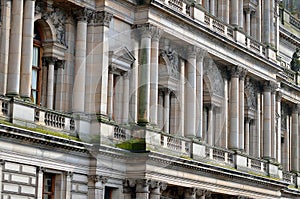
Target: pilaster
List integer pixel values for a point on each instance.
(267, 131)
(50, 62)
(167, 110)
(295, 139)
(142, 188)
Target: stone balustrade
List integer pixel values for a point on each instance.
(257, 164)
(4, 102)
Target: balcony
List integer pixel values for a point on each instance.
(195, 13)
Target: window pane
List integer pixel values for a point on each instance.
(35, 56)
(34, 79)
(34, 96)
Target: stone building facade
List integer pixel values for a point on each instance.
(171, 99)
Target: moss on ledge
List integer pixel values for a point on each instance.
(41, 130)
(133, 145)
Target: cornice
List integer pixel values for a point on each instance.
(15, 133)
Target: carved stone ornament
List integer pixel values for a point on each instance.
(171, 58)
(97, 178)
(102, 18)
(251, 90)
(215, 78)
(83, 14)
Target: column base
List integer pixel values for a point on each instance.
(143, 122)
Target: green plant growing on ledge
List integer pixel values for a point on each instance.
(133, 145)
(43, 131)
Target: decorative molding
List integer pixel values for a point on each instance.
(98, 178)
(102, 18)
(84, 14)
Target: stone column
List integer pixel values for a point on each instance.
(133, 83)
(273, 123)
(258, 21)
(267, 22)
(288, 143)
(80, 62)
(212, 7)
(110, 94)
(125, 98)
(173, 113)
(278, 121)
(100, 62)
(144, 74)
(235, 12)
(4, 48)
(272, 28)
(226, 11)
(182, 97)
(40, 179)
(226, 99)
(160, 116)
(156, 188)
(59, 89)
(199, 91)
(257, 141)
(69, 176)
(248, 22)
(50, 61)
(210, 133)
(142, 189)
(190, 193)
(190, 125)
(247, 135)
(154, 74)
(167, 111)
(242, 109)
(295, 139)
(252, 138)
(234, 109)
(15, 46)
(27, 48)
(241, 13)
(206, 4)
(267, 129)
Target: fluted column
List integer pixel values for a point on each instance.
(267, 22)
(144, 74)
(50, 61)
(80, 62)
(142, 189)
(267, 129)
(154, 74)
(27, 48)
(295, 139)
(125, 98)
(278, 130)
(234, 109)
(167, 111)
(4, 48)
(15, 46)
(199, 91)
(235, 12)
(242, 109)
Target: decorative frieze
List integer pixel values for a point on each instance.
(98, 178)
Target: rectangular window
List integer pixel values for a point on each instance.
(49, 186)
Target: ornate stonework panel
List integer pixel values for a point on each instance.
(171, 59)
(251, 89)
(215, 77)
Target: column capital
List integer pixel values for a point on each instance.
(166, 90)
(238, 72)
(49, 60)
(145, 30)
(296, 108)
(270, 86)
(69, 174)
(83, 14)
(156, 33)
(203, 192)
(102, 18)
(98, 178)
(60, 64)
(192, 51)
(142, 185)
